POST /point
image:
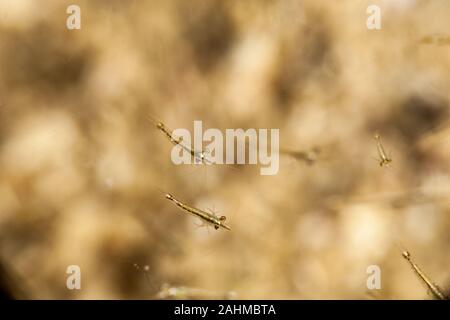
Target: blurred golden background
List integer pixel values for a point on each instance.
(82, 167)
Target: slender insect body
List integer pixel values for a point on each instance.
(169, 135)
(384, 159)
(217, 222)
(433, 288)
(199, 156)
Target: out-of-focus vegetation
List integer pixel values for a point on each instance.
(81, 167)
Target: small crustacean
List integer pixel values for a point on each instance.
(199, 156)
(384, 160)
(435, 290)
(210, 218)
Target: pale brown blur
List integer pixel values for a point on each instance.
(83, 171)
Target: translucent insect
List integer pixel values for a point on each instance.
(199, 156)
(308, 156)
(384, 160)
(217, 222)
(435, 290)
